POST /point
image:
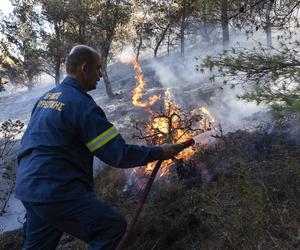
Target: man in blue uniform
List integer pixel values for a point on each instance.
(55, 178)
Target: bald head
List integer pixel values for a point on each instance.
(83, 63)
(78, 55)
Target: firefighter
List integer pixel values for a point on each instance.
(55, 176)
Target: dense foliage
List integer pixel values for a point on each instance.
(37, 36)
(270, 77)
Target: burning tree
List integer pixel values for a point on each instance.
(170, 124)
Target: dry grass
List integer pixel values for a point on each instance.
(253, 204)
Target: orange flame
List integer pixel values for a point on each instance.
(137, 93)
(171, 126)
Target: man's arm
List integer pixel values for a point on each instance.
(105, 141)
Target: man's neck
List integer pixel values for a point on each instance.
(78, 79)
(73, 76)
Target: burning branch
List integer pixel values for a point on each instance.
(173, 125)
(137, 93)
(168, 125)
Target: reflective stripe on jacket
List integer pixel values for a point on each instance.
(66, 129)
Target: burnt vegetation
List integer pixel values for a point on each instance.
(246, 196)
(240, 192)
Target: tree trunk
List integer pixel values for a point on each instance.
(205, 25)
(57, 71)
(1, 85)
(162, 37)
(205, 30)
(182, 28)
(268, 27)
(30, 82)
(168, 45)
(107, 83)
(225, 23)
(82, 32)
(139, 47)
(269, 36)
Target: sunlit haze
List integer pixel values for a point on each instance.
(6, 6)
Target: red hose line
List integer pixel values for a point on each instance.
(140, 205)
(139, 208)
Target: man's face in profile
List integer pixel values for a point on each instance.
(92, 73)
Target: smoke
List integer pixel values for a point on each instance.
(295, 133)
(193, 88)
(234, 114)
(126, 55)
(17, 101)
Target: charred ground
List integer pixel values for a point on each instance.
(247, 197)
(241, 193)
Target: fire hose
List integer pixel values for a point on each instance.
(143, 198)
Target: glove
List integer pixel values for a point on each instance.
(170, 150)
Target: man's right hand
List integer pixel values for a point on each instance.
(170, 150)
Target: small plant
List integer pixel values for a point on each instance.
(8, 133)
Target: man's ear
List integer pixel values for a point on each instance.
(84, 67)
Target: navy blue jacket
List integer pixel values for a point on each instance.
(67, 128)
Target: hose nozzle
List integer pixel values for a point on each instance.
(187, 143)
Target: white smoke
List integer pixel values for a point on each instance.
(126, 55)
(193, 88)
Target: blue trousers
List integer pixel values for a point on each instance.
(88, 219)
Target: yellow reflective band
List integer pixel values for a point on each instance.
(101, 136)
(102, 139)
